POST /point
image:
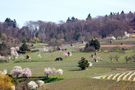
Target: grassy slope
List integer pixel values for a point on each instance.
(73, 78)
(90, 84)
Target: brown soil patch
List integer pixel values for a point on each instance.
(119, 46)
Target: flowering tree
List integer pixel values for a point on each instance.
(19, 71)
(16, 71)
(40, 83)
(26, 72)
(48, 71)
(32, 85)
(14, 52)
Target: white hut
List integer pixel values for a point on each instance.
(127, 35)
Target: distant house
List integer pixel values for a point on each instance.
(127, 35)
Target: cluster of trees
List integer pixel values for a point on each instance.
(92, 45)
(78, 30)
(70, 31)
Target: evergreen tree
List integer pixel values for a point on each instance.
(68, 20)
(111, 13)
(73, 19)
(88, 17)
(122, 12)
(10, 22)
(83, 63)
(24, 48)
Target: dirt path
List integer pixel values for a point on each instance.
(121, 46)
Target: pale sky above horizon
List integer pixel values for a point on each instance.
(56, 10)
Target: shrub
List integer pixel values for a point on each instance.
(59, 59)
(40, 83)
(6, 82)
(24, 48)
(83, 63)
(32, 85)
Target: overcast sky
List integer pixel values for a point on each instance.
(56, 10)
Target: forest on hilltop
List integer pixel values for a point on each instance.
(72, 30)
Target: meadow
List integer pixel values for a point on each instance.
(74, 78)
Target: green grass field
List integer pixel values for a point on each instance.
(73, 77)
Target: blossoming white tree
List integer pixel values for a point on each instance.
(14, 53)
(32, 85)
(26, 72)
(19, 71)
(40, 83)
(48, 71)
(16, 71)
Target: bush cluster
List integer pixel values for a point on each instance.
(92, 45)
